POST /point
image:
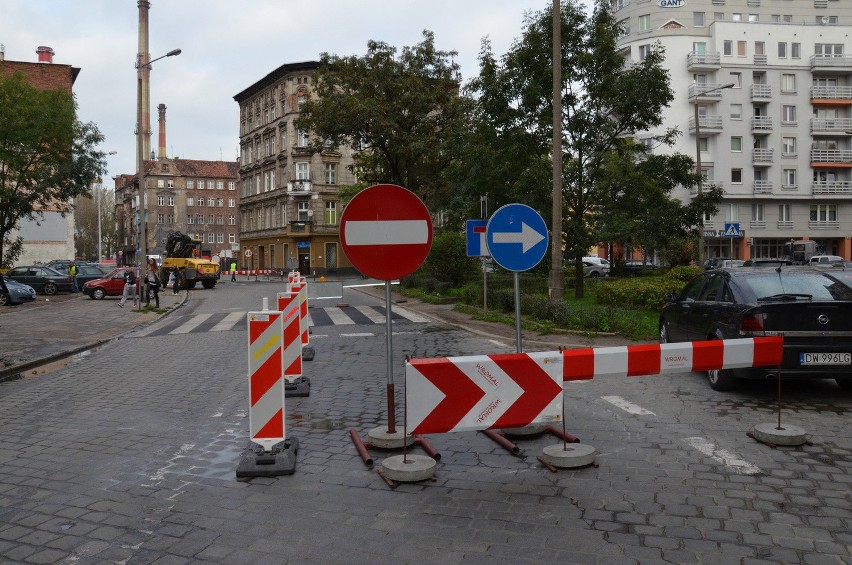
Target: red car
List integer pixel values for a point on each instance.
(109, 285)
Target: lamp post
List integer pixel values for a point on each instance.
(698, 165)
(143, 65)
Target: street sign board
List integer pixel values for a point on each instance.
(386, 232)
(732, 230)
(517, 237)
(476, 245)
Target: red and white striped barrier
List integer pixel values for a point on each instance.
(266, 385)
(450, 394)
(656, 359)
(293, 277)
(301, 287)
(288, 304)
(250, 272)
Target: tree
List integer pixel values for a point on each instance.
(603, 100)
(47, 156)
(86, 223)
(398, 112)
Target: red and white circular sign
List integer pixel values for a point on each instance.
(386, 232)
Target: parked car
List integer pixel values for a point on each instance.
(86, 273)
(594, 271)
(43, 279)
(714, 262)
(111, 284)
(61, 265)
(637, 267)
(821, 259)
(766, 262)
(18, 293)
(811, 308)
(597, 261)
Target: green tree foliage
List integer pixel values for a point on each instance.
(86, 224)
(47, 156)
(397, 110)
(448, 260)
(603, 100)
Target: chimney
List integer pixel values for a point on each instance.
(162, 149)
(2, 52)
(45, 54)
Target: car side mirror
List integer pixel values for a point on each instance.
(670, 297)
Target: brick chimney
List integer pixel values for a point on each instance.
(161, 153)
(45, 54)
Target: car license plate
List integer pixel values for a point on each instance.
(825, 358)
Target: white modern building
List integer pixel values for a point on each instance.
(771, 84)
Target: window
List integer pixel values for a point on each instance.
(161, 201)
(788, 114)
(303, 212)
(823, 213)
(232, 185)
(737, 144)
(787, 18)
(785, 213)
(737, 80)
(704, 144)
(796, 50)
(211, 219)
(736, 111)
(736, 17)
(828, 49)
(826, 20)
(190, 219)
(330, 255)
(220, 220)
(718, 16)
(331, 213)
(232, 202)
(211, 238)
(220, 238)
(190, 201)
(303, 171)
(698, 19)
(789, 180)
(788, 147)
(301, 99)
(202, 202)
(210, 185)
(624, 27)
(753, 18)
(782, 49)
(232, 238)
(160, 183)
(302, 140)
(757, 212)
(331, 173)
(788, 83)
(644, 51)
(199, 219)
(728, 47)
(742, 48)
(736, 176)
(190, 184)
(759, 48)
(645, 22)
(220, 202)
(160, 218)
(170, 201)
(733, 213)
(220, 185)
(170, 219)
(232, 220)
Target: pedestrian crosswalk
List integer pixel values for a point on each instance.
(327, 316)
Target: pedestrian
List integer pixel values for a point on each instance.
(153, 282)
(129, 287)
(233, 271)
(177, 276)
(72, 274)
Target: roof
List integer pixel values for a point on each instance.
(273, 77)
(196, 168)
(46, 76)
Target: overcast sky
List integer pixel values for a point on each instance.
(227, 46)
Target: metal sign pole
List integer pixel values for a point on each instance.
(388, 326)
(518, 346)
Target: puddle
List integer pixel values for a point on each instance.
(55, 365)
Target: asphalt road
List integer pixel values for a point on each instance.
(128, 455)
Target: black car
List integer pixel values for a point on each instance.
(810, 308)
(86, 273)
(43, 279)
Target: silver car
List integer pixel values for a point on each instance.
(18, 293)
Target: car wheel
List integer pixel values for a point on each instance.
(594, 275)
(98, 294)
(49, 289)
(4, 299)
(721, 380)
(664, 333)
(208, 284)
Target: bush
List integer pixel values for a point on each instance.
(448, 260)
(683, 274)
(638, 292)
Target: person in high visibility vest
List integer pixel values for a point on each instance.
(233, 271)
(72, 274)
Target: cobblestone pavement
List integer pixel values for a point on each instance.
(129, 455)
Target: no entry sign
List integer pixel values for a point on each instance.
(386, 232)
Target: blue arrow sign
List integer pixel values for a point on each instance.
(476, 246)
(517, 237)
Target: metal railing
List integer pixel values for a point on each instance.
(832, 92)
(706, 123)
(761, 123)
(762, 155)
(832, 187)
(824, 225)
(695, 58)
(831, 156)
(763, 187)
(761, 91)
(785, 224)
(705, 90)
(833, 124)
(831, 61)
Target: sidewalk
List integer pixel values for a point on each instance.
(56, 326)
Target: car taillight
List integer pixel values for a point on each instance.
(752, 322)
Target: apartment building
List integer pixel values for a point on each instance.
(770, 83)
(289, 196)
(52, 235)
(198, 198)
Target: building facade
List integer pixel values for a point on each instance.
(770, 83)
(52, 237)
(198, 198)
(289, 196)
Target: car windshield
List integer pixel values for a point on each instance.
(788, 285)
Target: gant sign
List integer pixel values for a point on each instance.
(671, 3)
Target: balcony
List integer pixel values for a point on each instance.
(707, 61)
(824, 225)
(832, 187)
(837, 64)
(757, 224)
(707, 91)
(759, 59)
(301, 228)
(303, 186)
(837, 126)
(763, 187)
(831, 156)
(785, 224)
(763, 91)
(706, 185)
(708, 124)
(831, 94)
(762, 155)
(761, 124)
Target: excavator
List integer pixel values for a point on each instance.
(182, 258)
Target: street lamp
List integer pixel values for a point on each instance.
(698, 165)
(141, 66)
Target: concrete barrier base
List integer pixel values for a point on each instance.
(409, 468)
(280, 460)
(569, 455)
(381, 438)
(300, 387)
(785, 435)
